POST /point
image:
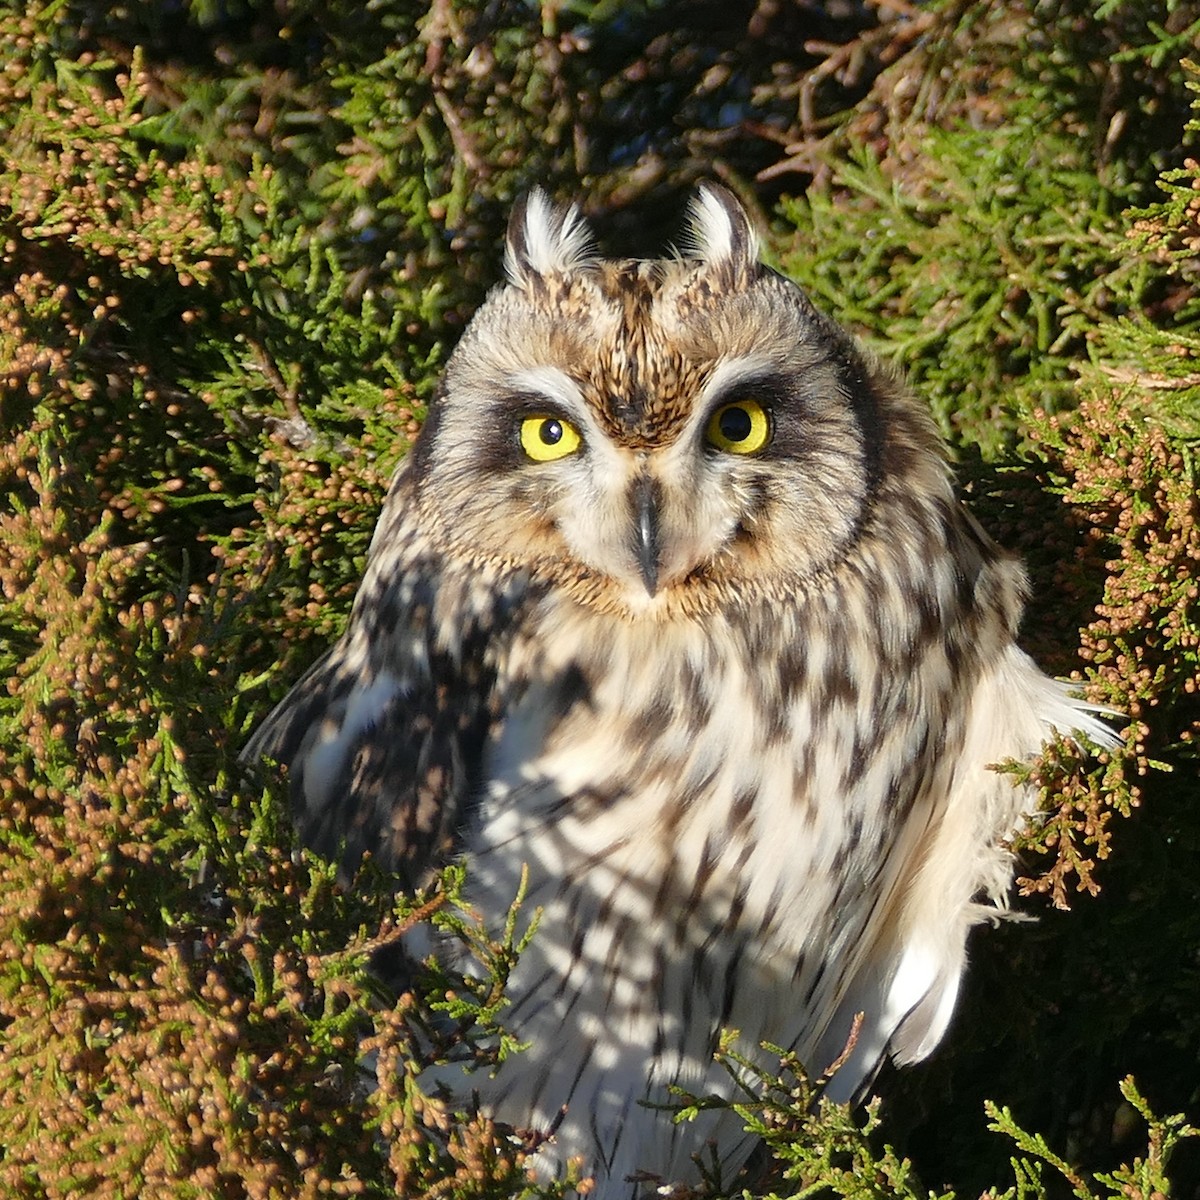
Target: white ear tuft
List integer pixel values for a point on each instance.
(545, 239)
(719, 232)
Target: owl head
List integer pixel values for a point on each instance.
(660, 435)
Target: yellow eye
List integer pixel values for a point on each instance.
(545, 439)
(742, 427)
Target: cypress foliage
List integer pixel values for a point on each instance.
(236, 241)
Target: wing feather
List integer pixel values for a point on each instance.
(384, 737)
(910, 976)
(374, 766)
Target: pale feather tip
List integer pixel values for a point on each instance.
(545, 239)
(719, 230)
(1068, 713)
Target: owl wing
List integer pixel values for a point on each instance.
(375, 764)
(383, 738)
(957, 874)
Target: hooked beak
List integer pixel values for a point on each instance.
(646, 547)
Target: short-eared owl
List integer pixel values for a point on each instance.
(673, 604)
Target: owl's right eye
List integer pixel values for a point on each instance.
(545, 439)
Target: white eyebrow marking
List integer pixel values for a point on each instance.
(556, 385)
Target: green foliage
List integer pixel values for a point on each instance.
(1146, 1177)
(819, 1148)
(986, 294)
(235, 241)
(981, 245)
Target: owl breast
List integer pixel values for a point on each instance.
(664, 787)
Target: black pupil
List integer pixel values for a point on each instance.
(552, 432)
(735, 424)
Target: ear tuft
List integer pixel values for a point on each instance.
(545, 239)
(719, 232)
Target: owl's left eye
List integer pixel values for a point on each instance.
(742, 427)
(545, 439)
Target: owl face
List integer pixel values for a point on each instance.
(662, 434)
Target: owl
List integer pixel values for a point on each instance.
(672, 605)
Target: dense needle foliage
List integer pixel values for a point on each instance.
(236, 243)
